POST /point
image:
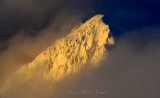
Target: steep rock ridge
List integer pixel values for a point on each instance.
(85, 44)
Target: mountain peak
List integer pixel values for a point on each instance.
(96, 17)
(85, 44)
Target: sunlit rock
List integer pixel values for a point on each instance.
(85, 44)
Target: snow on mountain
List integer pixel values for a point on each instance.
(85, 44)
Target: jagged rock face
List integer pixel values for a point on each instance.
(85, 44)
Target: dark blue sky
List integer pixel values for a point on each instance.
(128, 15)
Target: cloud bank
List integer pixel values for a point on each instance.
(131, 71)
(128, 71)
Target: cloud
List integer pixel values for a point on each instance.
(128, 71)
(35, 15)
(27, 27)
